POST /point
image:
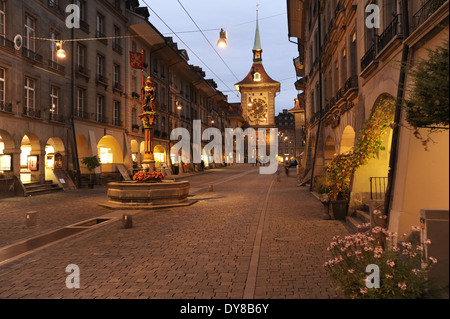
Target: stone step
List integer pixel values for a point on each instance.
(362, 215)
(39, 189)
(353, 222)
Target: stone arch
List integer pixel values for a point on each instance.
(6, 142)
(8, 162)
(109, 152)
(55, 157)
(347, 140)
(31, 160)
(370, 180)
(160, 155)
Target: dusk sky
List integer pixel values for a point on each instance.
(238, 17)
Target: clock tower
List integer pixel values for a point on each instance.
(258, 91)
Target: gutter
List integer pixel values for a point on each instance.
(398, 111)
(320, 100)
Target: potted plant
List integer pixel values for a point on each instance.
(339, 172)
(91, 163)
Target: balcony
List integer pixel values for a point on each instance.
(54, 6)
(32, 55)
(100, 79)
(116, 47)
(5, 107)
(31, 112)
(391, 31)
(300, 85)
(4, 42)
(117, 122)
(117, 86)
(83, 71)
(55, 66)
(84, 26)
(55, 117)
(369, 57)
(101, 37)
(425, 12)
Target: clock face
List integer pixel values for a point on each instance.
(258, 108)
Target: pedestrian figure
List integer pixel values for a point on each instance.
(286, 168)
(278, 175)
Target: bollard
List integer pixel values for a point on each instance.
(127, 221)
(210, 188)
(31, 219)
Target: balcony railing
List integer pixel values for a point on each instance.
(5, 107)
(351, 83)
(101, 79)
(118, 86)
(368, 57)
(32, 55)
(117, 122)
(82, 70)
(56, 66)
(117, 47)
(31, 112)
(56, 117)
(54, 5)
(101, 37)
(388, 34)
(84, 25)
(425, 12)
(4, 42)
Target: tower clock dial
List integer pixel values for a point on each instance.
(258, 108)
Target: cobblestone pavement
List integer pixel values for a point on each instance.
(252, 236)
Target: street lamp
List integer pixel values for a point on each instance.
(60, 53)
(222, 43)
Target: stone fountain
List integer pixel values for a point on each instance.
(148, 195)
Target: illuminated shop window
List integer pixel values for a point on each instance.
(26, 151)
(105, 155)
(159, 157)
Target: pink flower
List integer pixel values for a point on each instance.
(427, 241)
(390, 263)
(363, 291)
(433, 260)
(351, 271)
(389, 276)
(402, 285)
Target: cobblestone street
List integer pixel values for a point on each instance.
(253, 237)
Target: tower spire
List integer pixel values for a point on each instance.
(257, 49)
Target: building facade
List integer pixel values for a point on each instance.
(346, 66)
(285, 123)
(56, 111)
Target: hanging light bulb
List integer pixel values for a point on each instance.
(60, 53)
(222, 43)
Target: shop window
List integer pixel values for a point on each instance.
(105, 155)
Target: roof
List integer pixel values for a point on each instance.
(265, 78)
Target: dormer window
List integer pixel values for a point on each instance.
(257, 77)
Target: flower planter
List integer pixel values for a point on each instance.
(339, 208)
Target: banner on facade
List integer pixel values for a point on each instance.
(136, 60)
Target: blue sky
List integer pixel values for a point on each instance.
(238, 17)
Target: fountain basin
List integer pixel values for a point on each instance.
(134, 195)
